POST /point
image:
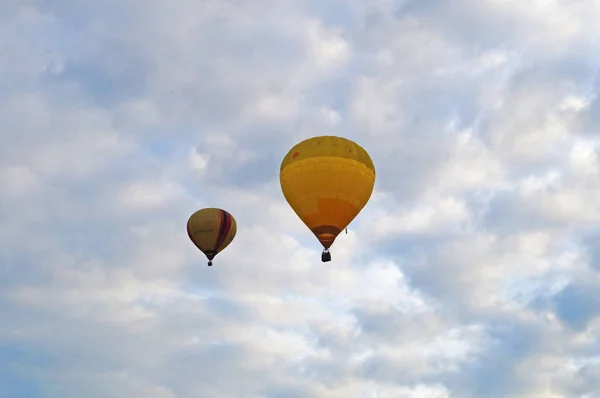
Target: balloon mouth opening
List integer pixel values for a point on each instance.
(326, 234)
(326, 240)
(210, 254)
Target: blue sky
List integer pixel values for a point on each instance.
(472, 272)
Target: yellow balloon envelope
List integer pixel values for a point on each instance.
(327, 181)
(211, 230)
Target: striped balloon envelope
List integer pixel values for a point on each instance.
(211, 230)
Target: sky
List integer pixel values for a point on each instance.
(473, 271)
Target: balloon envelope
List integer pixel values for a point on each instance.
(327, 181)
(211, 230)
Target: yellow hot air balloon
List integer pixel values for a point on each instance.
(211, 230)
(327, 181)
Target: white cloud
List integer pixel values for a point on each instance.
(275, 107)
(326, 47)
(198, 162)
(18, 181)
(147, 195)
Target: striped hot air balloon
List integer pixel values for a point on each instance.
(211, 230)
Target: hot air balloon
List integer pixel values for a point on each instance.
(327, 181)
(211, 230)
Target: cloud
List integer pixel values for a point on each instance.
(472, 272)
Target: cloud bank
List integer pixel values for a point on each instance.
(472, 272)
